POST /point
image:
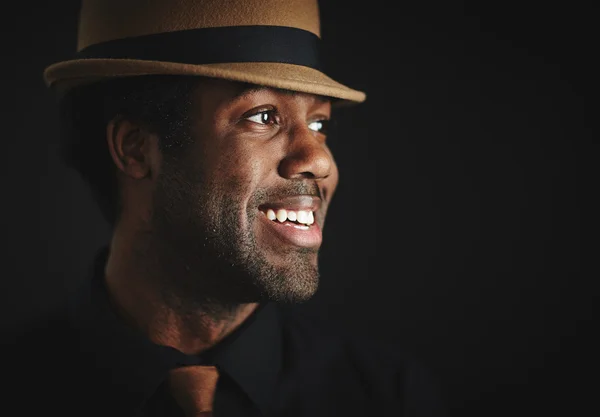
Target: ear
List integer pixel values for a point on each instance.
(131, 147)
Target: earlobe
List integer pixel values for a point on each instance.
(129, 147)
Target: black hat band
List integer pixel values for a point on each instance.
(215, 45)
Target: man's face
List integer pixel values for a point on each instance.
(243, 210)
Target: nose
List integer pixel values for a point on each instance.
(307, 157)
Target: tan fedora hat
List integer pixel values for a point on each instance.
(274, 43)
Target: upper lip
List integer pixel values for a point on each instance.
(297, 202)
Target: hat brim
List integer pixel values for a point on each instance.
(67, 74)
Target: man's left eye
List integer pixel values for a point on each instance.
(321, 126)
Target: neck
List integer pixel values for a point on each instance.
(140, 299)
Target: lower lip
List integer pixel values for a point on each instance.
(294, 233)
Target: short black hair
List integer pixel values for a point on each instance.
(160, 103)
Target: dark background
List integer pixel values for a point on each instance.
(458, 229)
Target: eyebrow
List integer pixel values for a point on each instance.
(246, 90)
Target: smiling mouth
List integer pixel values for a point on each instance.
(292, 220)
(302, 219)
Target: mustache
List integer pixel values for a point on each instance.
(299, 187)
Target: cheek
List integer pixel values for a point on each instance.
(242, 170)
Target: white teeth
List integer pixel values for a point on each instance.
(282, 215)
(302, 216)
(292, 216)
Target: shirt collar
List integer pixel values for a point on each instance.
(251, 355)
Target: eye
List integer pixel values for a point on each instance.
(265, 117)
(320, 126)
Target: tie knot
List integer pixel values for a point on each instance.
(193, 387)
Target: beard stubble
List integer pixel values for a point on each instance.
(200, 255)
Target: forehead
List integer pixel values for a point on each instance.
(225, 92)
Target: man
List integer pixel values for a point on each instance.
(201, 129)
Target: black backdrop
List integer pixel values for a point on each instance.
(457, 231)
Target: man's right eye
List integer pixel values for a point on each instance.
(264, 117)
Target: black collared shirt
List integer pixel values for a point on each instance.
(277, 363)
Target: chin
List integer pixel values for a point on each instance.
(291, 289)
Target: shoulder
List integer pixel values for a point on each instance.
(40, 353)
(37, 338)
(391, 376)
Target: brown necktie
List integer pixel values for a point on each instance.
(193, 387)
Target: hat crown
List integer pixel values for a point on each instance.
(107, 20)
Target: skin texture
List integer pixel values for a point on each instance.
(193, 252)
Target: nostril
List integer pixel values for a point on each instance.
(312, 165)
